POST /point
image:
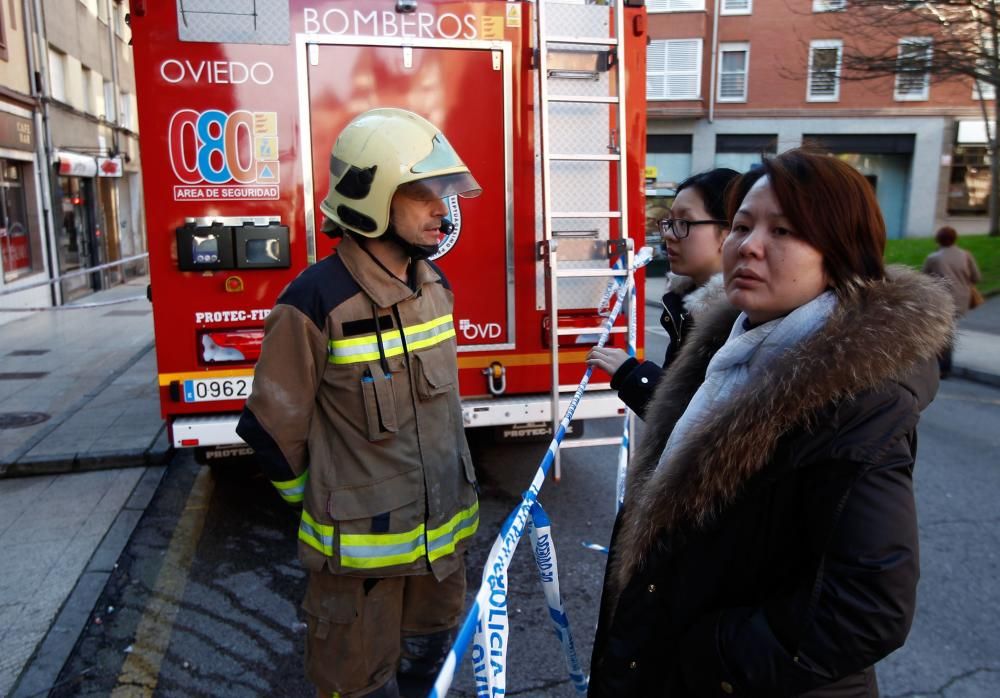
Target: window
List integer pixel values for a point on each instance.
(57, 75)
(824, 71)
(829, 5)
(913, 63)
(740, 152)
(969, 185)
(126, 110)
(118, 19)
(3, 37)
(87, 87)
(110, 113)
(736, 7)
(675, 5)
(18, 243)
(980, 89)
(734, 62)
(673, 69)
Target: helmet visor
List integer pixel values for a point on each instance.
(441, 157)
(441, 187)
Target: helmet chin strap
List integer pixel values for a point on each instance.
(412, 250)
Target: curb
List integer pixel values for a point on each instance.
(157, 453)
(976, 376)
(41, 672)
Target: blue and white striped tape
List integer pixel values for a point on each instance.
(490, 669)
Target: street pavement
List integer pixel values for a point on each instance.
(77, 396)
(88, 377)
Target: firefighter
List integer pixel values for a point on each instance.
(355, 414)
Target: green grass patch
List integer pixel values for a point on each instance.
(986, 250)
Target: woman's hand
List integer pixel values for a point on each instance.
(607, 359)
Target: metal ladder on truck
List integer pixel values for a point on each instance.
(581, 117)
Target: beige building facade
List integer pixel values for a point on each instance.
(69, 97)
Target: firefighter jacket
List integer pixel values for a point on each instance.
(355, 413)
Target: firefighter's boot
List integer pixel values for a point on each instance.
(422, 659)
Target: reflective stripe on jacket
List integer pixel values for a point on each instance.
(355, 413)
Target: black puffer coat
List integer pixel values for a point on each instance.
(776, 554)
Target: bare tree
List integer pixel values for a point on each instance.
(942, 40)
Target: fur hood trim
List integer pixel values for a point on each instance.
(878, 333)
(679, 284)
(700, 298)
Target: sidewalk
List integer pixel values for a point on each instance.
(78, 391)
(78, 387)
(977, 349)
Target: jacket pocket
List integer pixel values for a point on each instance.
(371, 499)
(436, 371)
(380, 524)
(380, 402)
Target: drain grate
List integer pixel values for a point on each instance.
(127, 313)
(28, 352)
(22, 375)
(16, 420)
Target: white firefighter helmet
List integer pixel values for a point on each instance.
(378, 152)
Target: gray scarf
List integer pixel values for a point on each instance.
(743, 356)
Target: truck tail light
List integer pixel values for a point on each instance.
(231, 346)
(575, 330)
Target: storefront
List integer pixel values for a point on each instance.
(20, 232)
(969, 180)
(86, 219)
(885, 161)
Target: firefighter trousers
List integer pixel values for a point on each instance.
(362, 631)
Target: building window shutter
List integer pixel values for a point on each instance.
(824, 71)
(676, 5)
(737, 7)
(733, 67)
(913, 64)
(829, 5)
(674, 69)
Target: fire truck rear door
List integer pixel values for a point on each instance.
(464, 88)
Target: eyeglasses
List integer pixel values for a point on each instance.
(682, 228)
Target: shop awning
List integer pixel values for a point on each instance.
(79, 165)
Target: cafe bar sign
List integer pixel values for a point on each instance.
(16, 132)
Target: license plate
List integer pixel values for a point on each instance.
(209, 389)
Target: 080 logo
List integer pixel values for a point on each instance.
(214, 148)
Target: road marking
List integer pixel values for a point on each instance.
(141, 670)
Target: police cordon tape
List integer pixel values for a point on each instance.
(486, 624)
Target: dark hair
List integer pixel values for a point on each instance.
(946, 236)
(711, 186)
(830, 205)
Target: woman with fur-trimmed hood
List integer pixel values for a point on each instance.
(692, 239)
(768, 543)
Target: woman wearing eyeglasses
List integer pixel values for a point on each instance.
(768, 546)
(692, 237)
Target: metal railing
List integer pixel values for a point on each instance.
(75, 274)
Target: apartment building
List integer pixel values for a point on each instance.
(728, 80)
(89, 105)
(22, 230)
(70, 196)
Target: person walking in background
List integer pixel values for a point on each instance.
(692, 232)
(768, 541)
(958, 267)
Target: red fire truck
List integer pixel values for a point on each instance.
(239, 104)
